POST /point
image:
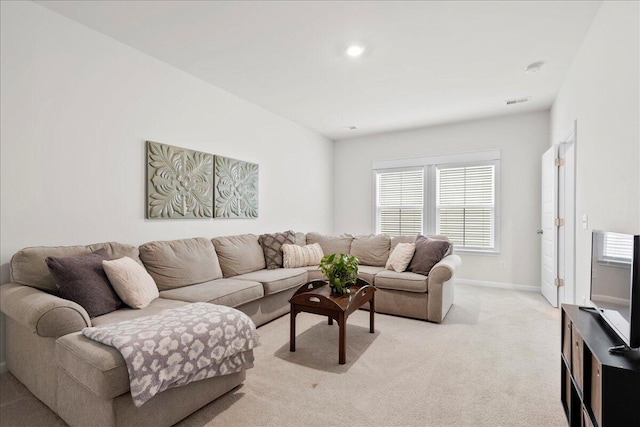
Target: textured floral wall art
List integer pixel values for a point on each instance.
(179, 182)
(235, 188)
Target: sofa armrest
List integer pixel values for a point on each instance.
(40, 312)
(444, 270)
(440, 287)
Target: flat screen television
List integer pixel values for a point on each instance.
(615, 283)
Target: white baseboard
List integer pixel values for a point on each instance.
(3, 367)
(499, 285)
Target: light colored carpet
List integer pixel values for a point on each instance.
(494, 361)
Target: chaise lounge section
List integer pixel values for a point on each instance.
(87, 383)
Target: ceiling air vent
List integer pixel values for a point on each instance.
(517, 101)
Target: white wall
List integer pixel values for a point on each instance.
(521, 138)
(601, 91)
(77, 107)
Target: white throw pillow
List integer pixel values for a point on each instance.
(301, 256)
(131, 282)
(400, 257)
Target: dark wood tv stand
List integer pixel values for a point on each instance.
(598, 388)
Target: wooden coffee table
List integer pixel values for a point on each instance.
(316, 297)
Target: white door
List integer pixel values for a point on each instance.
(566, 232)
(549, 243)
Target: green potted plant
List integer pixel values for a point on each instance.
(341, 270)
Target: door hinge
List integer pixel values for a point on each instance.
(559, 282)
(559, 161)
(559, 222)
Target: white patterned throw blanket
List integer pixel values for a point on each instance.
(179, 346)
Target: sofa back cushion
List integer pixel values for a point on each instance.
(117, 250)
(331, 244)
(178, 263)
(28, 266)
(239, 254)
(372, 249)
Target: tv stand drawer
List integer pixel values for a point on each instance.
(577, 358)
(566, 338)
(596, 390)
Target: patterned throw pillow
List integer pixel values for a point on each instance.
(400, 257)
(272, 247)
(428, 253)
(82, 280)
(301, 256)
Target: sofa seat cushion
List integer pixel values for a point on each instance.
(314, 273)
(405, 281)
(277, 280)
(368, 273)
(184, 262)
(229, 292)
(155, 307)
(98, 367)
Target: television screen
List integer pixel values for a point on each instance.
(612, 277)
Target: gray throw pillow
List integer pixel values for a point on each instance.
(82, 279)
(428, 253)
(272, 247)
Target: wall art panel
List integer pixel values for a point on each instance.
(235, 188)
(179, 182)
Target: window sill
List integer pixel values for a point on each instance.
(475, 251)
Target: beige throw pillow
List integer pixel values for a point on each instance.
(301, 256)
(131, 282)
(400, 257)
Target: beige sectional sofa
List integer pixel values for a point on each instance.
(87, 383)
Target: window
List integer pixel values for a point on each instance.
(465, 205)
(455, 195)
(400, 202)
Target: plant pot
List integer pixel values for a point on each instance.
(339, 291)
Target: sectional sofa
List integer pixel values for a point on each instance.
(86, 383)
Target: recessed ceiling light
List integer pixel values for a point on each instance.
(354, 50)
(534, 67)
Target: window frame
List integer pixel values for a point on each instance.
(430, 210)
(496, 211)
(376, 218)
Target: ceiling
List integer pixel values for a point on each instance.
(425, 63)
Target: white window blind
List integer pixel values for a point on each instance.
(618, 247)
(400, 202)
(465, 205)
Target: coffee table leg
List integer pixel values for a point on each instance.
(342, 359)
(292, 337)
(372, 311)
